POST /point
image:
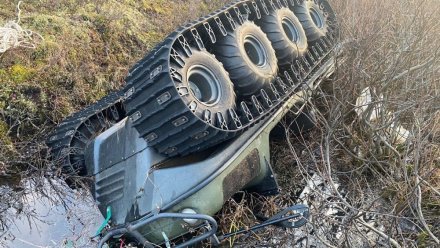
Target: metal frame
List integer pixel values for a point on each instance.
(131, 228)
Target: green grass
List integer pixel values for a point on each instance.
(87, 50)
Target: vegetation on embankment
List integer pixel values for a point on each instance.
(86, 51)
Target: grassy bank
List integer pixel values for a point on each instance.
(84, 52)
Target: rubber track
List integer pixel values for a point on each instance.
(151, 79)
(70, 138)
(170, 127)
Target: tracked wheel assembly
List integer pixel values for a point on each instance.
(315, 18)
(210, 80)
(248, 56)
(286, 34)
(71, 138)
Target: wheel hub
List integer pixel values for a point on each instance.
(290, 30)
(204, 85)
(317, 18)
(255, 51)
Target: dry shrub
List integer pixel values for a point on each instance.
(393, 48)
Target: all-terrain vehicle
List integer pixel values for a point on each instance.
(191, 127)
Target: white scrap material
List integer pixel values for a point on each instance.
(13, 35)
(364, 101)
(396, 133)
(399, 134)
(327, 217)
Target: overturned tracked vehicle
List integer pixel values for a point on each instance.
(191, 127)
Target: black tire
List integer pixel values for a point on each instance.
(296, 124)
(313, 18)
(168, 113)
(248, 56)
(209, 84)
(69, 142)
(285, 32)
(304, 122)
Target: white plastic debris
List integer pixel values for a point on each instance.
(326, 223)
(364, 101)
(396, 134)
(399, 134)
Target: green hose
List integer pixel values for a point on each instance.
(105, 223)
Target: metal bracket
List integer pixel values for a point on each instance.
(134, 226)
(282, 219)
(136, 116)
(220, 26)
(198, 39)
(269, 185)
(210, 32)
(257, 10)
(263, 4)
(246, 111)
(129, 93)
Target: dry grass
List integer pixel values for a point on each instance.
(87, 50)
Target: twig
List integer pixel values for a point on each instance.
(319, 238)
(429, 185)
(419, 190)
(382, 234)
(414, 68)
(420, 213)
